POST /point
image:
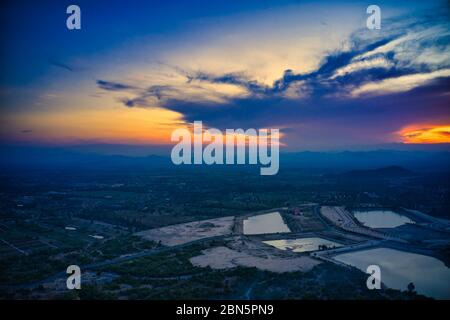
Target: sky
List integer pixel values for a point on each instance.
(137, 70)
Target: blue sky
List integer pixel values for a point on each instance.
(138, 69)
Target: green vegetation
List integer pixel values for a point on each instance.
(167, 264)
(106, 207)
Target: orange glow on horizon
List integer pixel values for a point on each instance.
(109, 125)
(426, 134)
(134, 126)
(239, 139)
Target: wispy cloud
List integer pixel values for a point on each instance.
(386, 71)
(400, 84)
(114, 86)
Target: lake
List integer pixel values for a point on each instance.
(381, 218)
(398, 268)
(302, 244)
(265, 223)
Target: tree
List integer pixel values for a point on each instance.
(411, 288)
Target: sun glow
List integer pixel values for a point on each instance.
(426, 134)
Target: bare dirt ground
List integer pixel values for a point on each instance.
(225, 258)
(186, 232)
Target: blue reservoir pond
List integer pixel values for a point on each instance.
(381, 218)
(398, 268)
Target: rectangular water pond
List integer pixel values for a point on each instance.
(398, 268)
(381, 218)
(265, 223)
(303, 244)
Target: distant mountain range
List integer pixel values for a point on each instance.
(385, 172)
(363, 160)
(392, 162)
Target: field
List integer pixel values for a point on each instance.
(187, 232)
(225, 258)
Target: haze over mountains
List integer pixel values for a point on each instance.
(47, 157)
(385, 172)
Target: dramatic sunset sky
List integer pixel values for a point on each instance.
(137, 70)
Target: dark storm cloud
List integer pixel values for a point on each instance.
(395, 110)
